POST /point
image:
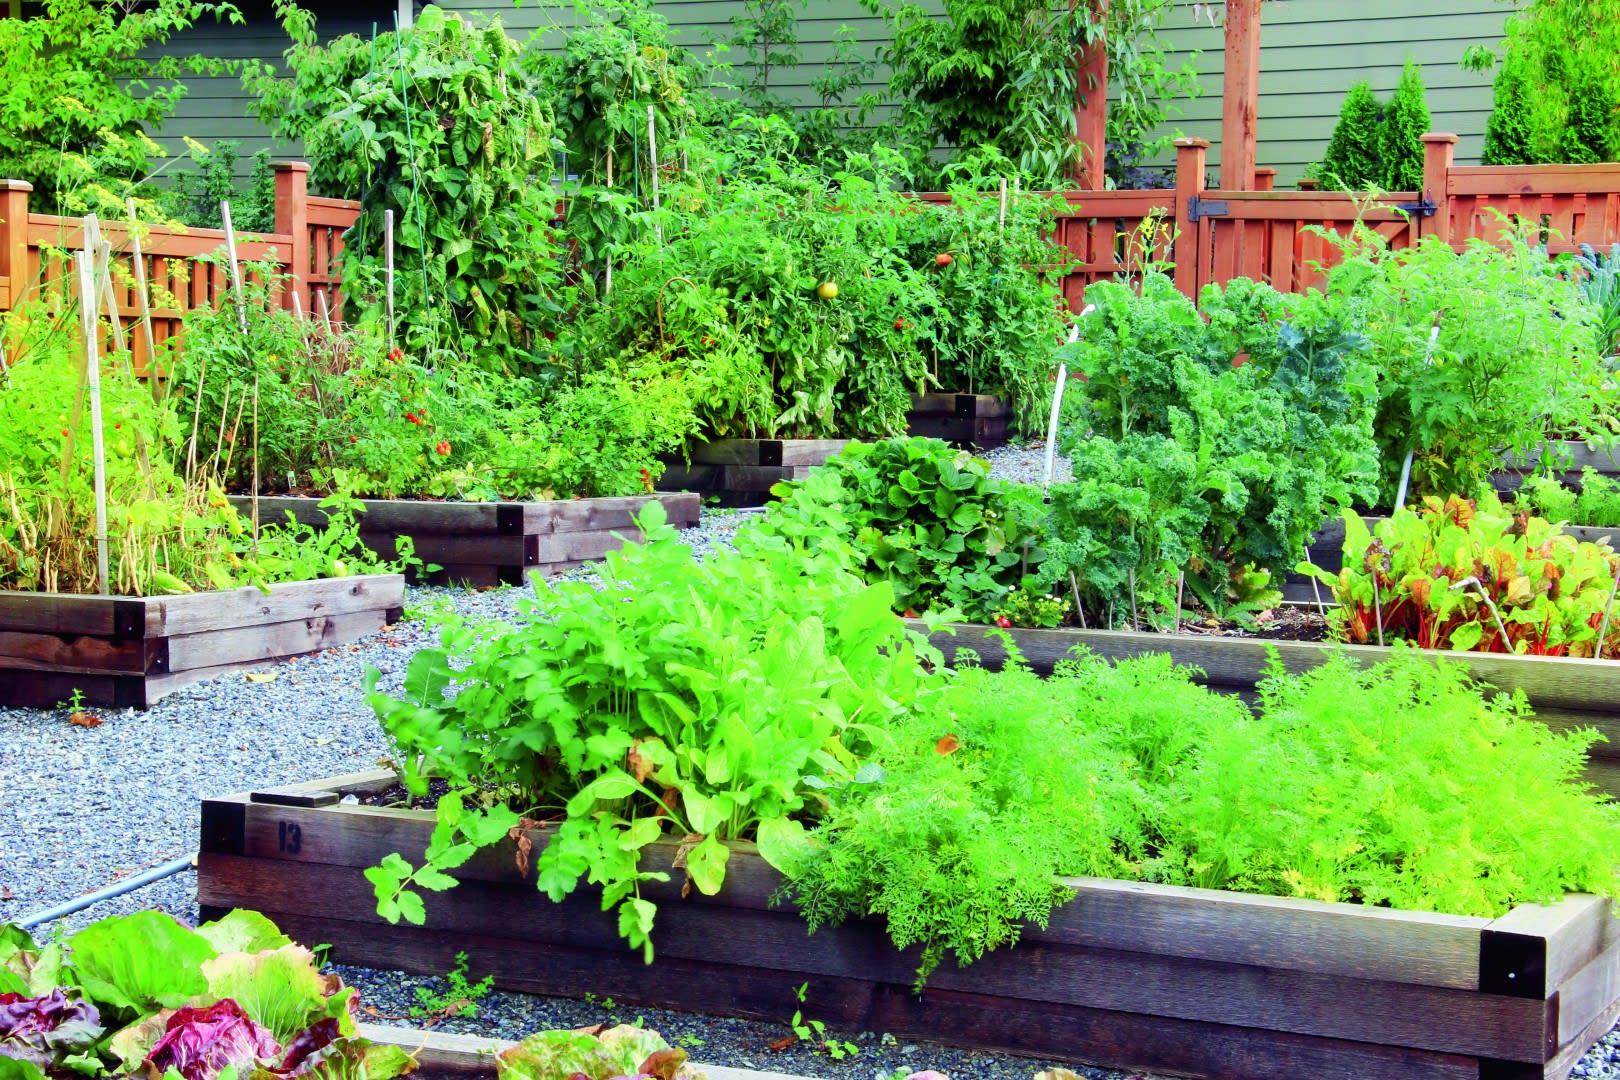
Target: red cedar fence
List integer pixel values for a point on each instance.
(305, 242)
(1217, 234)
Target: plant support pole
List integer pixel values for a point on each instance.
(1428, 358)
(87, 311)
(652, 164)
(1608, 609)
(388, 270)
(143, 297)
(236, 271)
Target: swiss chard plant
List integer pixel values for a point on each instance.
(1468, 575)
(142, 994)
(683, 703)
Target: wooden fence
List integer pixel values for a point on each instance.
(1211, 235)
(304, 243)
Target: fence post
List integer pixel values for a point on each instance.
(13, 240)
(1265, 178)
(1190, 160)
(1438, 148)
(1091, 107)
(292, 220)
(1240, 96)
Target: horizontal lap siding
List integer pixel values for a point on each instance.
(1313, 50)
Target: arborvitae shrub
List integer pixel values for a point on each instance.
(1400, 138)
(1507, 129)
(1589, 130)
(1351, 160)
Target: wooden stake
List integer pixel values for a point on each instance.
(143, 298)
(236, 271)
(652, 153)
(87, 312)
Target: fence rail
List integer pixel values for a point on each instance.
(1211, 235)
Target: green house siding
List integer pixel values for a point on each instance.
(1311, 51)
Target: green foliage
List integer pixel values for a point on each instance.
(459, 998)
(1348, 785)
(440, 124)
(1596, 501)
(1351, 162)
(1555, 96)
(784, 299)
(594, 1054)
(1230, 439)
(1472, 577)
(79, 90)
(1599, 277)
(337, 402)
(1515, 361)
(195, 196)
(1507, 129)
(1400, 135)
(1001, 74)
(927, 521)
(704, 700)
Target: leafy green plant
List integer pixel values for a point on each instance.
(814, 1032)
(458, 997)
(698, 701)
(1400, 134)
(622, 1050)
(1467, 575)
(1210, 448)
(1514, 362)
(441, 124)
(79, 89)
(1351, 161)
(1599, 277)
(142, 994)
(194, 196)
(927, 521)
(1595, 502)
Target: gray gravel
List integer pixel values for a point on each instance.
(82, 808)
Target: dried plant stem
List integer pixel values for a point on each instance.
(1378, 609)
(1315, 589)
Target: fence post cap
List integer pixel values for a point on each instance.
(290, 166)
(1193, 140)
(1265, 170)
(15, 185)
(1439, 137)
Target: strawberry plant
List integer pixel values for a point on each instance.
(696, 701)
(1467, 575)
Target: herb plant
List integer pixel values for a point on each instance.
(702, 702)
(1595, 501)
(1345, 785)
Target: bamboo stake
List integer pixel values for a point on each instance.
(255, 492)
(652, 155)
(87, 310)
(1507, 643)
(1131, 576)
(1079, 608)
(143, 298)
(1378, 608)
(1001, 215)
(1315, 589)
(388, 271)
(323, 312)
(236, 271)
(607, 275)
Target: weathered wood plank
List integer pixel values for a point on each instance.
(408, 516)
(47, 689)
(460, 548)
(963, 405)
(1428, 1018)
(195, 613)
(260, 643)
(618, 512)
(1533, 949)
(77, 653)
(1588, 994)
(984, 433)
(74, 613)
(766, 451)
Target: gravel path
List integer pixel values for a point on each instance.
(82, 808)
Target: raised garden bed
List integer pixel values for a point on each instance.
(1564, 692)
(741, 472)
(131, 651)
(494, 543)
(1581, 456)
(1128, 975)
(975, 421)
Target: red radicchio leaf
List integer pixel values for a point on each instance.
(42, 1029)
(306, 1044)
(199, 1043)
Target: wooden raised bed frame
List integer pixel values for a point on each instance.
(491, 543)
(976, 421)
(131, 651)
(741, 472)
(1128, 975)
